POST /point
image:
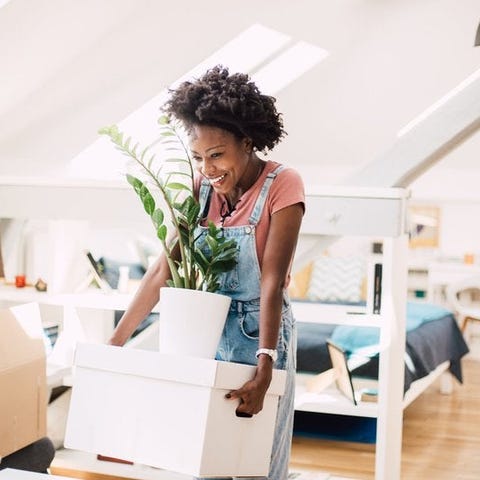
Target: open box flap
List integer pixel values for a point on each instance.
(19, 342)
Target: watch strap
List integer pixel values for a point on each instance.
(272, 353)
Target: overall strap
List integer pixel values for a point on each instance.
(258, 208)
(204, 197)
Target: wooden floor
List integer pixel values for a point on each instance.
(441, 438)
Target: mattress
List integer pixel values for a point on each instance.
(429, 342)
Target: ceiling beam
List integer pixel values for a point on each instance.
(439, 130)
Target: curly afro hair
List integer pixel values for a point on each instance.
(231, 102)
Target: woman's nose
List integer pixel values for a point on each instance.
(206, 168)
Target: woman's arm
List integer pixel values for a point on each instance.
(279, 249)
(145, 299)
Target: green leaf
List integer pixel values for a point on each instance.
(157, 217)
(212, 243)
(147, 200)
(135, 182)
(110, 130)
(193, 213)
(162, 232)
(176, 186)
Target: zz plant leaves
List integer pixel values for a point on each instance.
(194, 262)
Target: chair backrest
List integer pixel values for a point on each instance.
(453, 290)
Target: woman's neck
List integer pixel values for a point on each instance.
(249, 178)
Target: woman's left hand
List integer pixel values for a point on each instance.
(252, 393)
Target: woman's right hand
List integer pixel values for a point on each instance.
(146, 297)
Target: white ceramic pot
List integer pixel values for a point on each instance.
(191, 321)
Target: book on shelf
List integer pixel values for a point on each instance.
(374, 287)
(377, 288)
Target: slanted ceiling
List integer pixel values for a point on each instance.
(69, 67)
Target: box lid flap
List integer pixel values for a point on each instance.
(175, 368)
(19, 340)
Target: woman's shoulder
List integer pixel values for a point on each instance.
(287, 189)
(284, 173)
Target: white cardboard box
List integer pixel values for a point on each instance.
(169, 412)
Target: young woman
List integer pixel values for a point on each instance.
(259, 203)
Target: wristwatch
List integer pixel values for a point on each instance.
(267, 351)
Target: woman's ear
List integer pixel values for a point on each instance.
(248, 145)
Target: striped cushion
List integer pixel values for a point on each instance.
(337, 279)
(299, 282)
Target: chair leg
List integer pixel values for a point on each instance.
(464, 324)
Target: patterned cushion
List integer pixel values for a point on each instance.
(300, 281)
(337, 279)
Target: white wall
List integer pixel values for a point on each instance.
(460, 228)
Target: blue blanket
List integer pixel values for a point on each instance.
(353, 338)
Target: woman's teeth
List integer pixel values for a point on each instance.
(217, 179)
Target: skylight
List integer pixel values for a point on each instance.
(242, 54)
(288, 66)
(245, 53)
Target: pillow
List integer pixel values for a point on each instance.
(337, 279)
(300, 281)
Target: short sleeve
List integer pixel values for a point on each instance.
(287, 189)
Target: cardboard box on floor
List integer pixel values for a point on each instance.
(169, 412)
(23, 389)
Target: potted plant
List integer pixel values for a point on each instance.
(165, 188)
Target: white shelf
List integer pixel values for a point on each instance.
(330, 400)
(311, 312)
(94, 299)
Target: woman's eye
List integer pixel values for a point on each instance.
(216, 155)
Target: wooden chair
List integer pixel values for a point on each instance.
(467, 313)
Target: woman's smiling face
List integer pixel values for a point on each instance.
(220, 157)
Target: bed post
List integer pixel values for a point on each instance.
(391, 368)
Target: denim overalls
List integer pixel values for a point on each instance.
(239, 340)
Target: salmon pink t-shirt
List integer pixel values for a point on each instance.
(286, 189)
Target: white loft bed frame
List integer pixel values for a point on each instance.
(381, 213)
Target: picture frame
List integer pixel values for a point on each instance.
(95, 273)
(343, 376)
(424, 226)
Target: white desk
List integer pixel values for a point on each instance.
(93, 298)
(94, 308)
